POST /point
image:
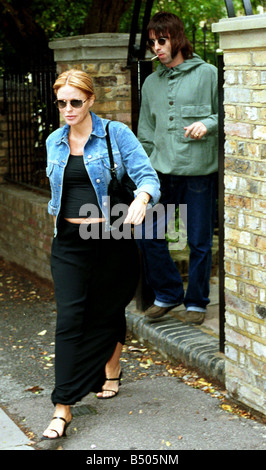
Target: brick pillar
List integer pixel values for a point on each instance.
(104, 57)
(243, 41)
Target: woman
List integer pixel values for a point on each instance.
(94, 276)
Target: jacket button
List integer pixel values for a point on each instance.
(98, 180)
(89, 156)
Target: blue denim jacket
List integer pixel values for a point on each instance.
(128, 153)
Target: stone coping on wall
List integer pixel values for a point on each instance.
(98, 46)
(243, 32)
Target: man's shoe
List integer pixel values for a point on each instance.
(194, 318)
(154, 312)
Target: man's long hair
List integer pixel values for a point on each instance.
(169, 25)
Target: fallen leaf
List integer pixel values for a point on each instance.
(43, 332)
(34, 389)
(227, 408)
(145, 366)
(134, 349)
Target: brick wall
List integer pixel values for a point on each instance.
(26, 229)
(243, 43)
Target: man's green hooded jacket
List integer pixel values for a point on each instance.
(173, 98)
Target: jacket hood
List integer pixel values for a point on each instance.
(186, 66)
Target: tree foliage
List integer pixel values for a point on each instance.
(26, 26)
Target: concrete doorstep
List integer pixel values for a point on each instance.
(194, 346)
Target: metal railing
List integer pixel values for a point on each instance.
(231, 9)
(31, 116)
(205, 43)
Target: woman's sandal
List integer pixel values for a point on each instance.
(54, 430)
(113, 391)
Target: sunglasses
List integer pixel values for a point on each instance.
(161, 41)
(61, 104)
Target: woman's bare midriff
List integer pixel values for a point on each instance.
(89, 220)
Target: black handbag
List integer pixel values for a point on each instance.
(119, 192)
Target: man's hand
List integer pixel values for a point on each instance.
(196, 130)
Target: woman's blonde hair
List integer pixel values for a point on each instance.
(77, 79)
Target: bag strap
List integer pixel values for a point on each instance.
(111, 158)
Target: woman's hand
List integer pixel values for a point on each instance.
(196, 130)
(137, 209)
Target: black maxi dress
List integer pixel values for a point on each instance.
(94, 281)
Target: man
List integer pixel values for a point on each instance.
(178, 129)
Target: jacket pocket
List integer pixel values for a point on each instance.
(117, 162)
(190, 114)
(118, 166)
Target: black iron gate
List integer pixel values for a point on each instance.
(31, 116)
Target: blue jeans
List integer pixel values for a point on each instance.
(199, 193)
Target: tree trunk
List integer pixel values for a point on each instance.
(104, 16)
(21, 31)
(27, 38)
